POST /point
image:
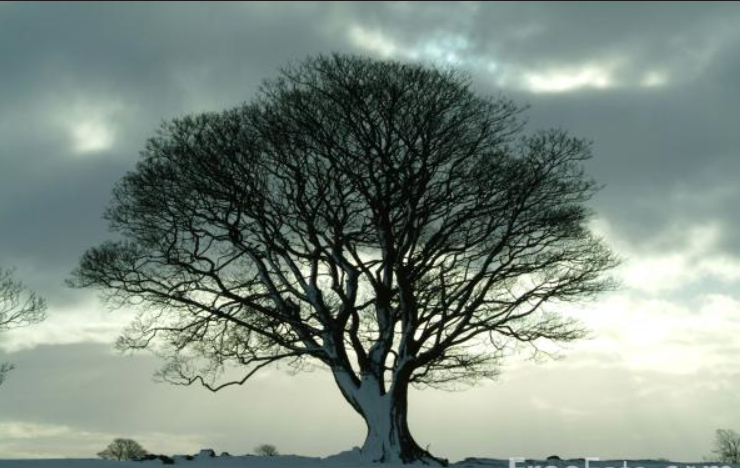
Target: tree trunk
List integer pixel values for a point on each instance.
(388, 437)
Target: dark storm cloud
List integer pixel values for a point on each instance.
(143, 50)
(157, 60)
(670, 153)
(668, 157)
(61, 62)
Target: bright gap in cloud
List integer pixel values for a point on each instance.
(447, 49)
(649, 324)
(89, 124)
(92, 135)
(456, 49)
(558, 81)
(372, 40)
(654, 79)
(665, 335)
(87, 321)
(450, 49)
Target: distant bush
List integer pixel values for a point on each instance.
(266, 450)
(123, 450)
(553, 457)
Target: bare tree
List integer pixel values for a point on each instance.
(266, 450)
(726, 446)
(123, 450)
(18, 308)
(376, 218)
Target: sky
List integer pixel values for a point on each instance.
(653, 85)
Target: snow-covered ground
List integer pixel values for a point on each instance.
(343, 460)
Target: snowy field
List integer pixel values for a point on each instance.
(343, 460)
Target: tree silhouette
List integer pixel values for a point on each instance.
(376, 218)
(123, 450)
(726, 446)
(266, 450)
(18, 308)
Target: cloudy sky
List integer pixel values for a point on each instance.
(655, 86)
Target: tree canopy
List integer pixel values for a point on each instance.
(378, 218)
(123, 450)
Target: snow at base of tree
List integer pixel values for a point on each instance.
(349, 459)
